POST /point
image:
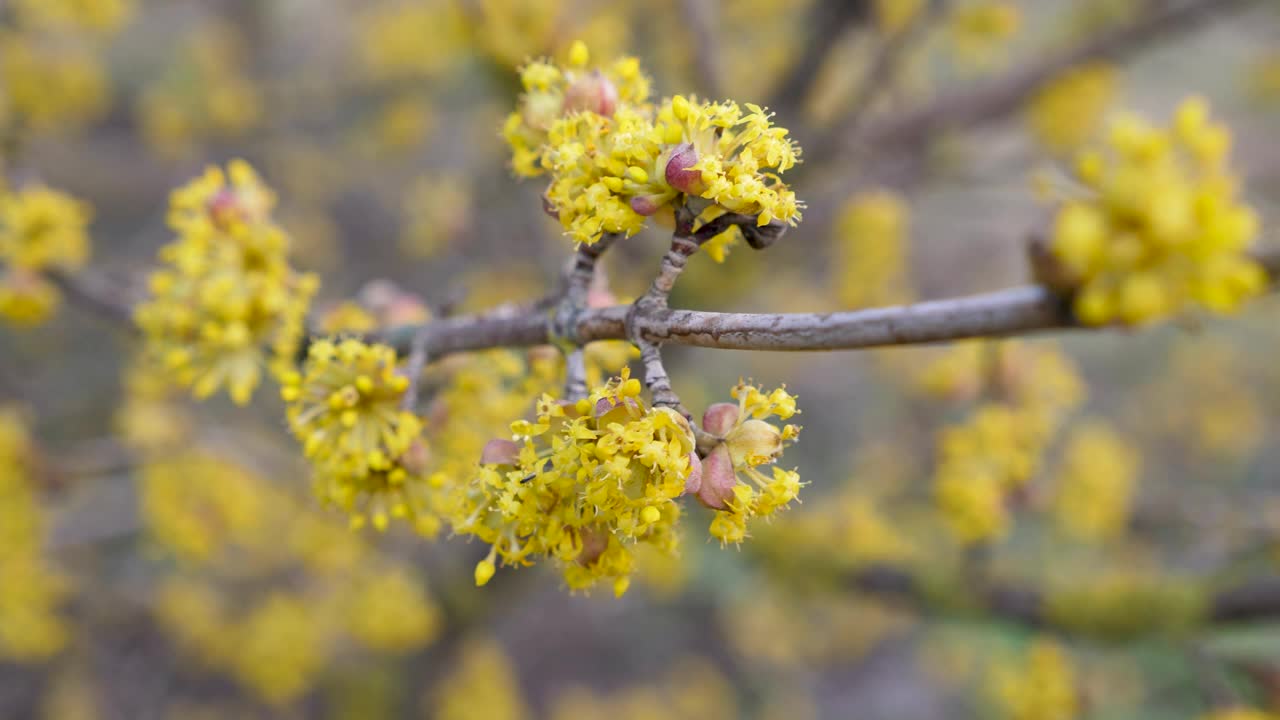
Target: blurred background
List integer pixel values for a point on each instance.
(166, 560)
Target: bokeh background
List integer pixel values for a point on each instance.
(204, 581)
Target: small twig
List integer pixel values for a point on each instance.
(413, 367)
(97, 294)
(995, 99)
(828, 22)
(657, 379)
(575, 375)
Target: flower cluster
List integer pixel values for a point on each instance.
(1040, 686)
(318, 588)
(345, 408)
(1162, 229)
(1096, 483)
(30, 590)
(731, 479)
(581, 483)
(613, 161)
(227, 304)
(552, 92)
(999, 448)
(40, 230)
(872, 237)
(980, 29)
(1068, 111)
(213, 57)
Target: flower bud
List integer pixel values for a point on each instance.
(648, 204)
(541, 110)
(719, 418)
(754, 442)
(416, 457)
(593, 92)
(594, 543)
(225, 208)
(693, 482)
(484, 572)
(500, 452)
(681, 173)
(718, 479)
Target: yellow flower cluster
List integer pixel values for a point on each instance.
(482, 686)
(872, 245)
(980, 28)
(149, 418)
(226, 526)
(1096, 483)
(1162, 229)
(40, 230)
(368, 451)
(50, 83)
(30, 590)
(104, 16)
(390, 39)
(436, 211)
(1068, 111)
(1000, 447)
(227, 304)
(610, 174)
(227, 104)
(581, 483)
(1040, 686)
(614, 160)
(553, 92)
(731, 480)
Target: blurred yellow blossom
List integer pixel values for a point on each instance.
(1162, 229)
(1039, 686)
(227, 304)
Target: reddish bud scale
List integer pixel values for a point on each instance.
(680, 171)
(592, 92)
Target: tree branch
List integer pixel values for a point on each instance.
(969, 107)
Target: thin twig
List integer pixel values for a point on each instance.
(828, 21)
(413, 367)
(575, 375)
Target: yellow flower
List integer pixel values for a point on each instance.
(43, 229)
(482, 686)
(1068, 111)
(552, 92)
(227, 304)
(279, 649)
(610, 174)
(344, 407)
(389, 611)
(579, 484)
(731, 480)
(1039, 686)
(51, 85)
(1162, 230)
(872, 235)
(1095, 484)
(31, 591)
(105, 16)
